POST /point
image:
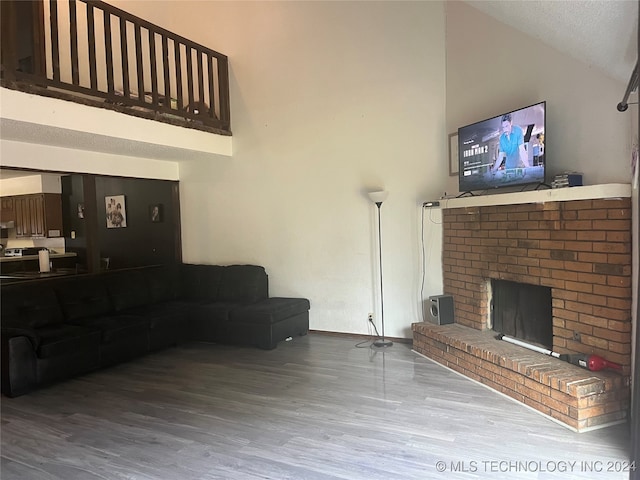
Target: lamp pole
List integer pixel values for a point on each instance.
(378, 198)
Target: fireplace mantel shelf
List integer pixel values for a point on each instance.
(589, 192)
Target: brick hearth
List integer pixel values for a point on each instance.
(575, 397)
(581, 249)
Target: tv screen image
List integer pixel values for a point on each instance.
(503, 151)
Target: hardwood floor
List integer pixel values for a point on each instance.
(314, 408)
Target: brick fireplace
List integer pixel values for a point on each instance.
(577, 242)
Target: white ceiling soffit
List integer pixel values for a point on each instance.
(30, 118)
(600, 33)
(27, 132)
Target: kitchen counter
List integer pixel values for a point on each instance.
(22, 276)
(30, 264)
(35, 257)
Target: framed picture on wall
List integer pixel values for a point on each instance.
(453, 154)
(116, 212)
(156, 213)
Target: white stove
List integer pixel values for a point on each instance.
(22, 251)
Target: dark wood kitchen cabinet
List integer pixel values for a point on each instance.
(7, 209)
(38, 215)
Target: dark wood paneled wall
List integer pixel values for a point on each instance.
(142, 241)
(72, 196)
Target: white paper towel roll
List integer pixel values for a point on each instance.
(43, 256)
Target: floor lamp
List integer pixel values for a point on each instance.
(378, 198)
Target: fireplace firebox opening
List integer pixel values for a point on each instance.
(523, 311)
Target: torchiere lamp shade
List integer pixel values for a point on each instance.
(379, 196)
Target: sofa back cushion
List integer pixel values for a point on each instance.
(83, 297)
(243, 283)
(30, 306)
(233, 283)
(127, 289)
(163, 283)
(201, 282)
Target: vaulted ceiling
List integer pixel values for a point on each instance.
(601, 33)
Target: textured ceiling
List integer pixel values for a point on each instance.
(600, 33)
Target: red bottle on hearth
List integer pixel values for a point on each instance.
(592, 362)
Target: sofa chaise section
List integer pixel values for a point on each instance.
(269, 321)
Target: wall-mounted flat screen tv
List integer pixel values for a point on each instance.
(503, 151)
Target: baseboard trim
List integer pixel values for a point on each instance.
(360, 336)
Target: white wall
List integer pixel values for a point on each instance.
(492, 68)
(329, 100)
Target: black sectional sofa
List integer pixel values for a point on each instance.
(58, 328)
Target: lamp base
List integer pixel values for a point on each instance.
(382, 343)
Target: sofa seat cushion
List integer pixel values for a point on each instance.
(270, 311)
(160, 314)
(214, 312)
(209, 321)
(117, 327)
(168, 323)
(65, 339)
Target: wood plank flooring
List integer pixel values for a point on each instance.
(314, 408)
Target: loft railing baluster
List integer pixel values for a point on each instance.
(55, 46)
(39, 42)
(176, 48)
(73, 35)
(223, 92)
(201, 95)
(154, 69)
(139, 68)
(189, 54)
(124, 52)
(10, 41)
(212, 92)
(91, 39)
(165, 67)
(108, 51)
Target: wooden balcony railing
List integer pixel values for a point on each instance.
(91, 52)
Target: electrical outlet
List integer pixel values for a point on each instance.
(371, 317)
(577, 337)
